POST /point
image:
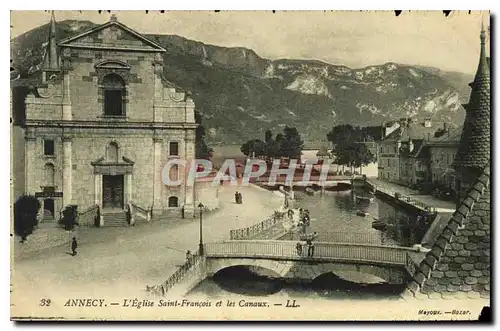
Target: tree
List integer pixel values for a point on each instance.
(254, 147)
(70, 216)
(292, 144)
(273, 147)
(202, 149)
(25, 215)
(354, 155)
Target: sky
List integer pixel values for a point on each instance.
(355, 39)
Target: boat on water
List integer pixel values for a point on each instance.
(379, 225)
(371, 199)
(362, 213)
(310, 191)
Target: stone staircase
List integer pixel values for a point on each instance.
(115, 219)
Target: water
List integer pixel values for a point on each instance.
(336, 212)
(332, 212)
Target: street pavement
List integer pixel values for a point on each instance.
(120, 261)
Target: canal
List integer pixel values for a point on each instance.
(331, 212)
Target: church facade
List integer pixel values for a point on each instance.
(103, 123)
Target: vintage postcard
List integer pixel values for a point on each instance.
(250, 165)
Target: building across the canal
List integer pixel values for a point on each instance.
(102, 123)
(442, 151)
(402, 156)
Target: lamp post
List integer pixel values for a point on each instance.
(200, 207)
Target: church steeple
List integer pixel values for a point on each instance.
(475, 147)
(51, 61)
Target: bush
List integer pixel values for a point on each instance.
(69, 218)
(25, 215)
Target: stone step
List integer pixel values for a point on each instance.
(115, 219)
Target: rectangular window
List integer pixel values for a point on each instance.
(48, 147)
(173, 148)
(113, 103)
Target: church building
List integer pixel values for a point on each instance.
(102, 124)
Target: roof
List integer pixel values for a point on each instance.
(419, 150)
(475, 143)
(440, 274)
(414, 131)
(67, 42)
(450, 136)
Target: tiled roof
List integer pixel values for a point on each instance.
(418, 145)
(414, 131)
(451, 135)
(475, 146)
(458, 265)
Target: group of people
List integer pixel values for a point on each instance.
(309, 244)
(238, 198)
(305, 217)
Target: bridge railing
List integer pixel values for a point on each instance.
(404, 197)
(251, 231)
(189, 266)
(287, 250)
(340, 238)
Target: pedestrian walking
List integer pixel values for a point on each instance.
(74, 246)
(310, 248)
(240, 197)
(237, 197)
(299, 248)
(189, 257)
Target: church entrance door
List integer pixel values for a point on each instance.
(112, 191)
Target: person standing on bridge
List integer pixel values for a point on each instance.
(299, 248)
(310, 247)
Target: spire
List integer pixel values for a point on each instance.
(475, 147)
(483, 61)
(51, 61)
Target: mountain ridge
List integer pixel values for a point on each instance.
(240, 94)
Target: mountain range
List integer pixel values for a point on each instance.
(240, 94)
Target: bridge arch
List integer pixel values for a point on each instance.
(307, 270)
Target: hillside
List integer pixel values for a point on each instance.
(240, 94)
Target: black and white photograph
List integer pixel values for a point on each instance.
(250, 165)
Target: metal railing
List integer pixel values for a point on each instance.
(88, 217)
(188, 267)
(340, 238)
(251, 231)
(404, 197)
(287, 250)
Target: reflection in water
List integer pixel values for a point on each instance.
(336, 212)
(331, 212)
(241, 282)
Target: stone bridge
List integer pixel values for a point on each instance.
(280, 259)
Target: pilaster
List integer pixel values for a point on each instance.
(30, 155)
(66, 100)
(98, 190)
(157, 171)
(67, 170)
(189, 188)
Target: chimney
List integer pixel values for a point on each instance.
(427, 122)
